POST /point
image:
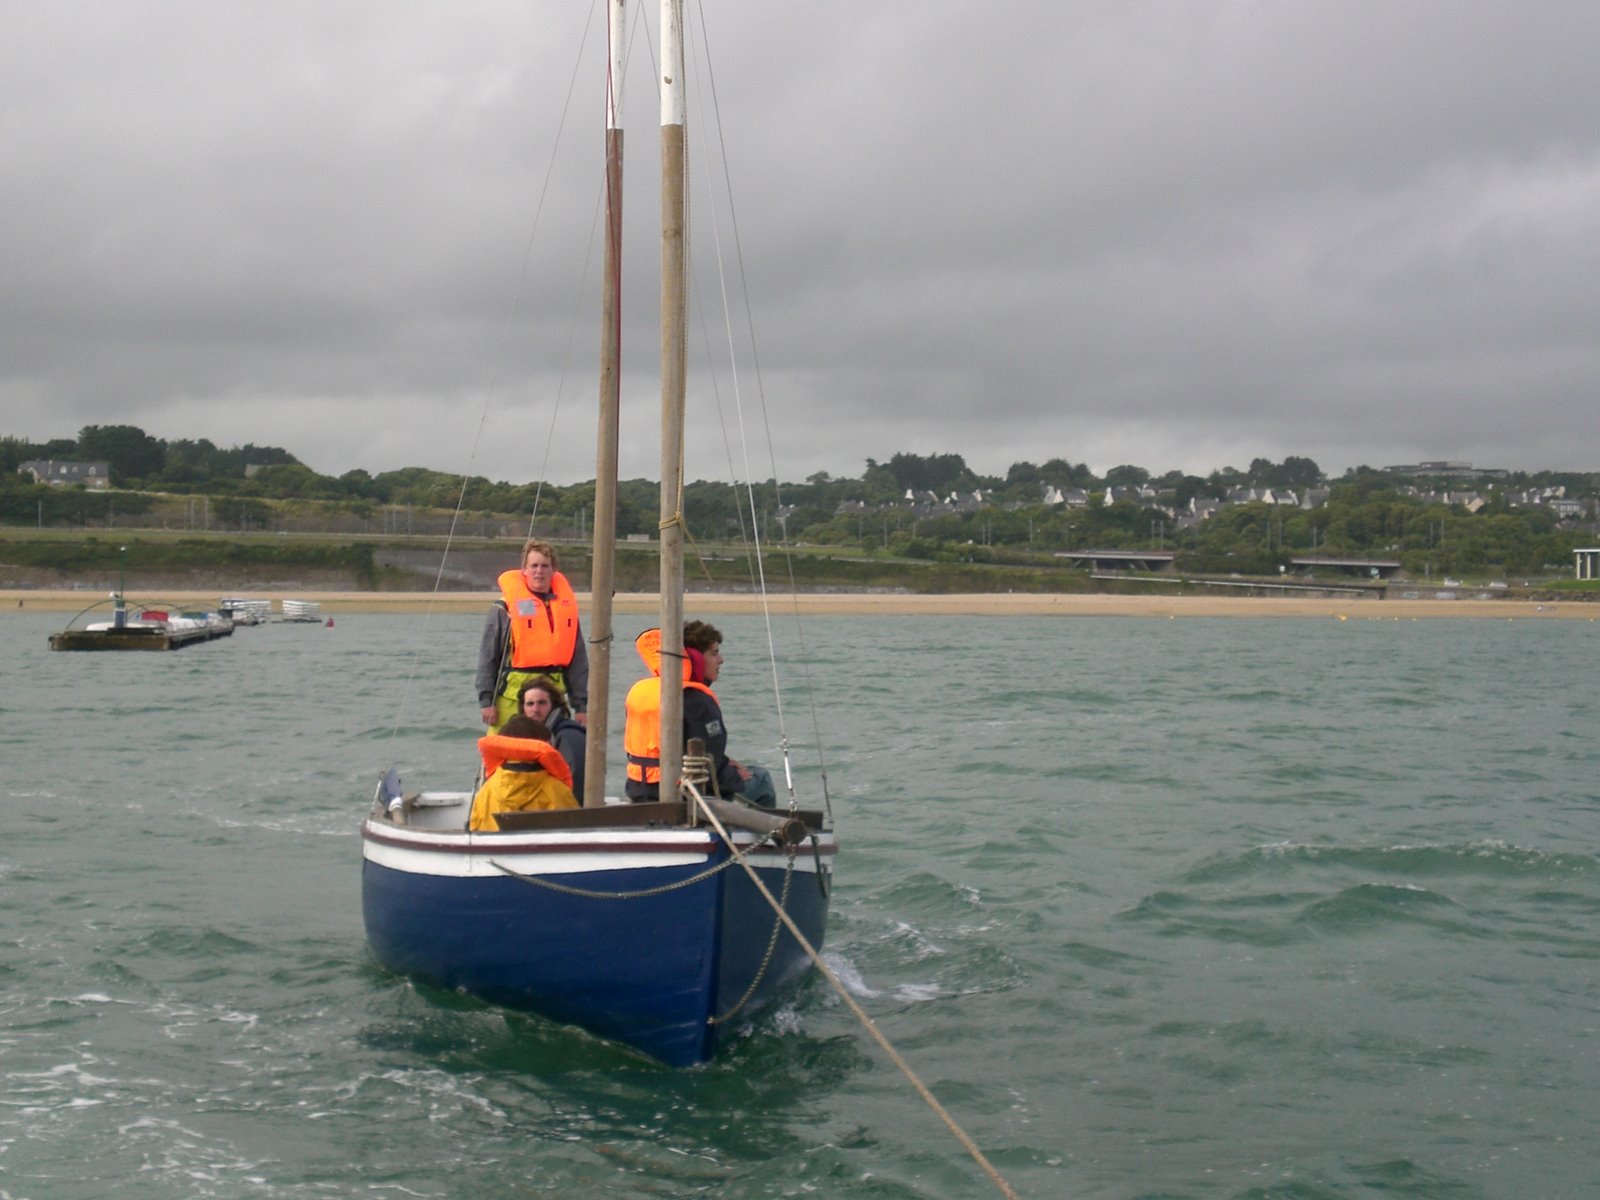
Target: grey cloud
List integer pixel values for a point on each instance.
(1178, 235)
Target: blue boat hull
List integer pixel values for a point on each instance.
(667, 972)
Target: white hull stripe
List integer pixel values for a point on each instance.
(467, 855)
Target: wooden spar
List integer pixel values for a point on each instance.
(674, 343)
(787, 830)
(603, 573)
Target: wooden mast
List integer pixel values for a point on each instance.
(674, 342)
(603, 573)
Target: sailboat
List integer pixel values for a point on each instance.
(663, 926)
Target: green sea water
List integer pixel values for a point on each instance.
(1157, 909)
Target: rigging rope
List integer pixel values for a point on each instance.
(755, 537)
(860, 1013)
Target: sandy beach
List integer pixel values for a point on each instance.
(848, 604)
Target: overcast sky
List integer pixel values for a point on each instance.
(1180, 235)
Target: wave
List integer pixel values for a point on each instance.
(1369, 905)
(1490, 858)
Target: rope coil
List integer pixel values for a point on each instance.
(697, 769)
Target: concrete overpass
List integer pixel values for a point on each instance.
(1379, 568)
(1125, 560)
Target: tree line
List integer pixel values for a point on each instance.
(1367, 512)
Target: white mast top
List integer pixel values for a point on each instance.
(618, 25)
(672, 109)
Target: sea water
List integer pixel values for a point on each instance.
(1195, 908)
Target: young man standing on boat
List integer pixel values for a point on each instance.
(702, 718)
(532, 630)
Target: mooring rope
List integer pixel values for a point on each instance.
(867, 1022)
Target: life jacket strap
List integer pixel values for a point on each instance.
(644, 769)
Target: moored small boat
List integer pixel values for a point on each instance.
(142, 627)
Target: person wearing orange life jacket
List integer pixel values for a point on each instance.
(524, 773)
(532, 630)
(702, 718)
(641, 731)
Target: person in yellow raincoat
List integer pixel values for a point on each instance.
(523, 772)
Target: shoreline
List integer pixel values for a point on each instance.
(1075, 604)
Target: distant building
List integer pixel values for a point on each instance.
(1566, 508)
(1263, 495)
(1143, 495)
(93, 475)
(1442, 468)
(1471, 501)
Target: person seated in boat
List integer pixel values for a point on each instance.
(541, 699)
(523, 773)
(702, 718)
(532, 630)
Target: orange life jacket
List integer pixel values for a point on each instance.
(641, 734)
(497, 750)
(544, 633)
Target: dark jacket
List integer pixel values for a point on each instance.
(572, 740)
(702, 718)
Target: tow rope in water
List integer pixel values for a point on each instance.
(867, 1022)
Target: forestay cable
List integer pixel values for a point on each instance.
(867, 1022)
(749, 477)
